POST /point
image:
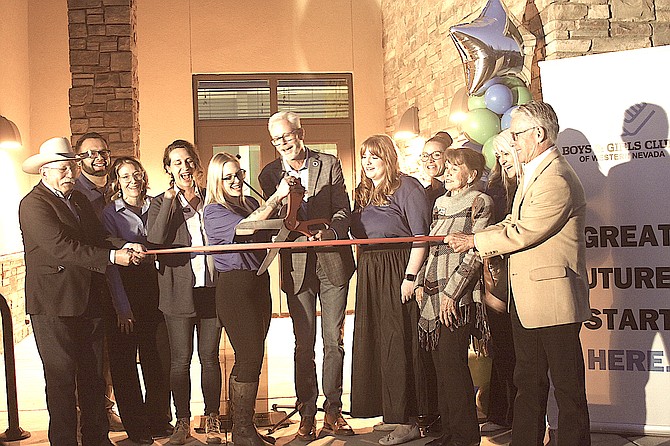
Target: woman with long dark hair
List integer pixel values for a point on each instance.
(187, 293)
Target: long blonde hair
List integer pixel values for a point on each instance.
(366, 193)
(503, 141)
(215, 190)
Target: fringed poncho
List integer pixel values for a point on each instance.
(450, 275)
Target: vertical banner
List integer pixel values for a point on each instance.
(613, 113)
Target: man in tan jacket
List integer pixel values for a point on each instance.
(544, 237)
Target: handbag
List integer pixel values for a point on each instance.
(494, 275)
(494, 271)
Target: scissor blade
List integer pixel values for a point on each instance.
(250, 227)
(282, 235)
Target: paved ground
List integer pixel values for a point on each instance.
(33, 416)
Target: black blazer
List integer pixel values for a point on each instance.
(166, 228)
(65, 258)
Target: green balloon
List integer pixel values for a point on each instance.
(476, 102)
(512, 81)
(521, 95)
(481, 124)
(489, 153)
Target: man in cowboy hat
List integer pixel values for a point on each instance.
(66, 254)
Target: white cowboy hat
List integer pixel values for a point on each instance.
(54, 149)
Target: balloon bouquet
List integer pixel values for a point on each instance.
(492, 53)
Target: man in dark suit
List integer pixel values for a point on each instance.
(310, 273)
(66, 254)
(549, 298)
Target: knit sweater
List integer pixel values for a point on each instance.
(450, 275)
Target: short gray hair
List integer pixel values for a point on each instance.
(290, 117)
(542, 114)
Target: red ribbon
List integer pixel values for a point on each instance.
(312, 244)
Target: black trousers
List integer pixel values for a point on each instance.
(71, 353)
(244, 308)
(502, 390)
(555, 349)
(456, 392)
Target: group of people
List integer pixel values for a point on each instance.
(418, 305)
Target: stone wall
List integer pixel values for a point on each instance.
(103, 63)
(13, 272)
(423, 68)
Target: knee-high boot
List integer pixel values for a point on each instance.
(243, 402)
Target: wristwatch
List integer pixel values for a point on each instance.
(410, 277)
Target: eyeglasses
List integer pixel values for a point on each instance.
(436, 156)
(515, 135)
(286, 137)
(240, 175)
(137, 176)
(105, 153)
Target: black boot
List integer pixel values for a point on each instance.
(242, 404)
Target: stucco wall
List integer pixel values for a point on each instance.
(176, 39)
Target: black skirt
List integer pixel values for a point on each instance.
(385, 365)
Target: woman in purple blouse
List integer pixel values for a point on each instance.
(137, 325)
(243, 303)
(385, 363)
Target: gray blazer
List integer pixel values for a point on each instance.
(166, 228)
(327, 199)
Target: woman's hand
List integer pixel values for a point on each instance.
(448, 312)
(284, 187)
(169, 194)
(418, 295)
(406, 291)
(126, 322)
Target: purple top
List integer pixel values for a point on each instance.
(407, 214)
(220, 225)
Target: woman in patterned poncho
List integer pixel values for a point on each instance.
(448, 291)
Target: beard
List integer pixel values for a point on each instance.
(93, 172)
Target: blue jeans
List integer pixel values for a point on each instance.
(302, 307)
(180, 332)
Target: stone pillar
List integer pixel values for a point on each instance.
(103, 63)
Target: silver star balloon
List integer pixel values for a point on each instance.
(490, 46)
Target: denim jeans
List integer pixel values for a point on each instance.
(302, 307)
(180, 332)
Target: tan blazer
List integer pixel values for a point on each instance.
(545, 235)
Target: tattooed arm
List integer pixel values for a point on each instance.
(268, 208)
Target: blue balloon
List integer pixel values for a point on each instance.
(498, 98)
(506, 119)
(496, 80)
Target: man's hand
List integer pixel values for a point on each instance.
(123, 257)
(284, 187)
(460, 242)
(138, 252)
(406, 291)
(323, 234)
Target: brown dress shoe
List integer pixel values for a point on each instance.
(307, 430)
(335, 423)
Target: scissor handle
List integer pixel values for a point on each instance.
(304, 226)
(294, 201)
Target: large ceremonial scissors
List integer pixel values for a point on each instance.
(289, 224)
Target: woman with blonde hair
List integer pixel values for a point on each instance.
(243, 304)
(503, 182)
(385, 350)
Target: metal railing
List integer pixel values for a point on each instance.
(14, 431)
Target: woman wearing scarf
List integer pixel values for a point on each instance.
(449, 295)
